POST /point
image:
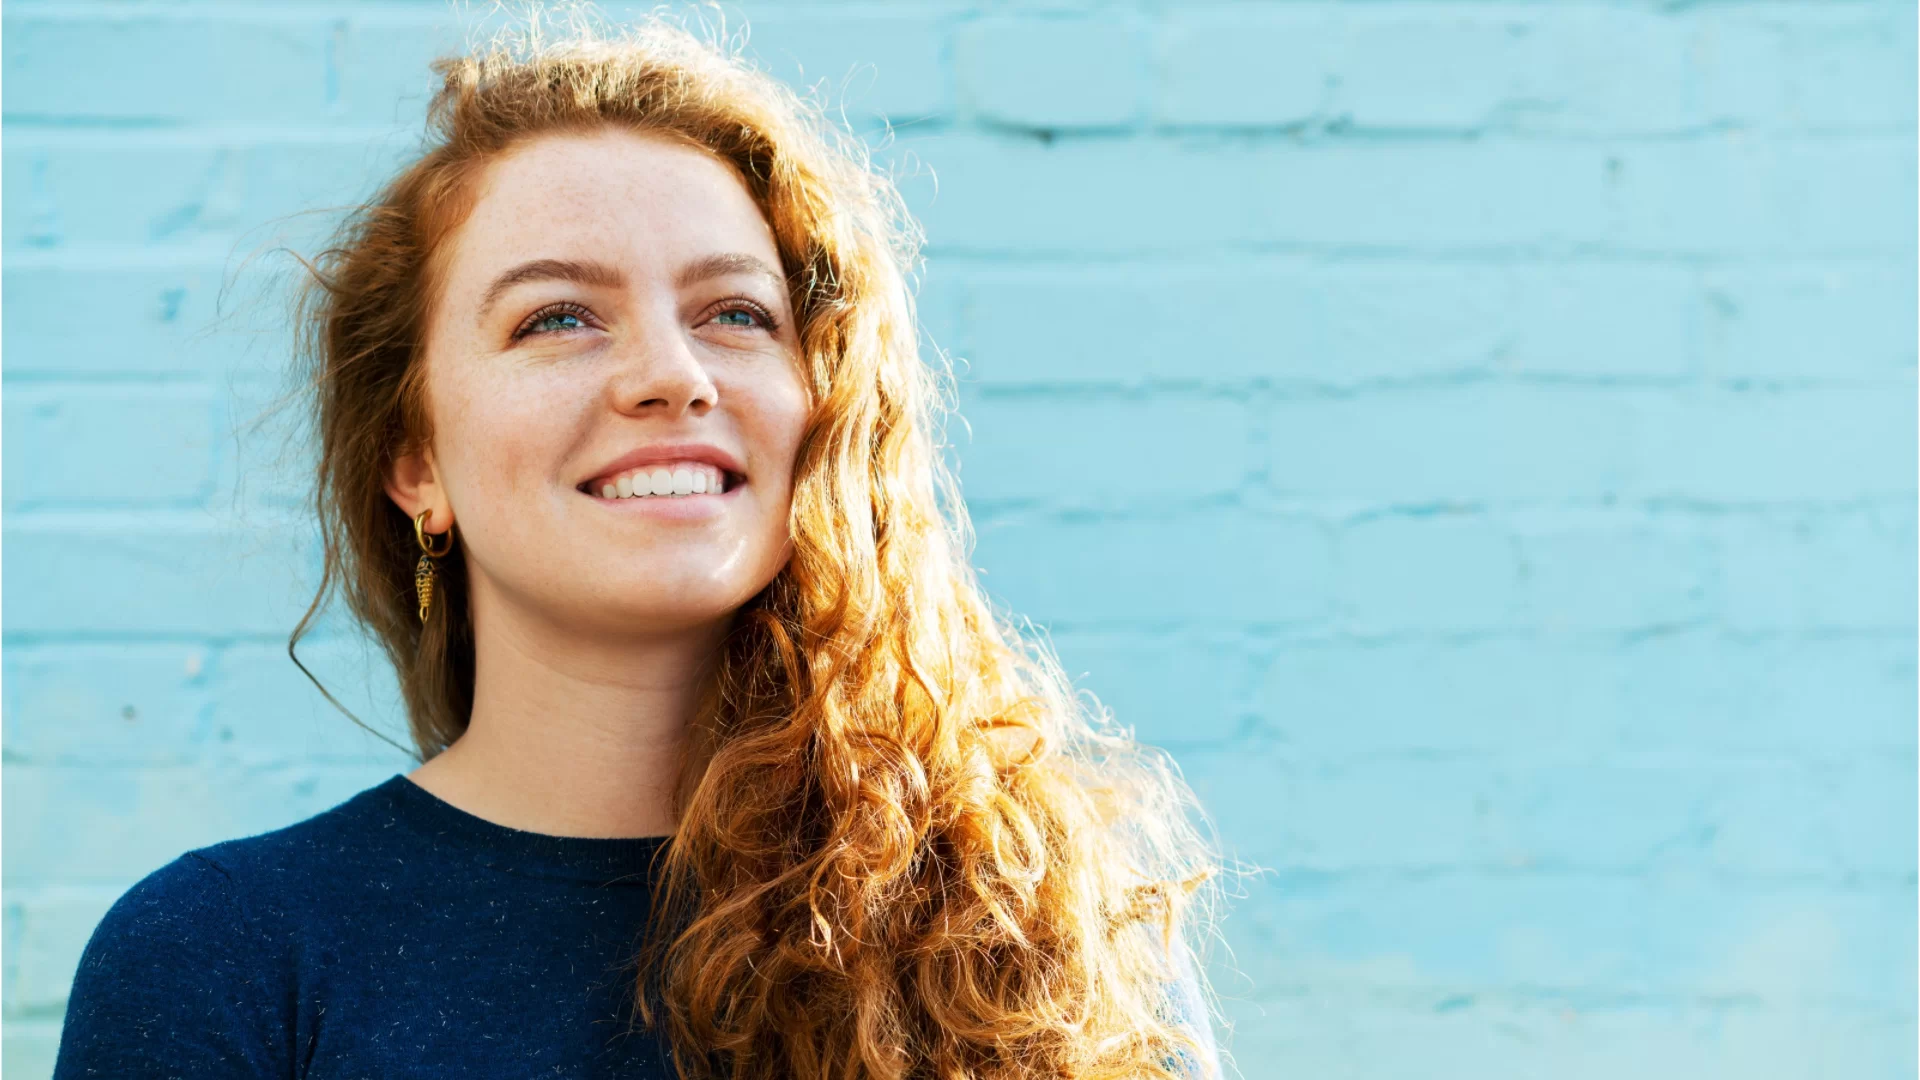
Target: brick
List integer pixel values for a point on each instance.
(131, 446)
(1426, 196)
(205, 191)
(1850, 70)
(145, 318)
(1243, 68)
(1606, 321)
(1468, 69)
(1131, 324)
(1103, 452)
(1172, 690)
(181, 703)
(269, 453)
(938, 303)
(234, 66)
(1452, 814)
(1473, 442)
(1831, 571)
(1829, 818)
(1487, 441)
(378, 57)
(1738, 66)
(1197, 567)
(1428, 572)
(1055, 72)
(1572, 77)
(1695, 695)
(55, 923)
(193, 577)
(124, 703)
(1737, 195)
(1845, 321)
(1000, 196)
(1342, 325)
(1594, 571)
(888, 64)
(1354, 1033)
(1578, 938)
(1820, 444)
(1404, 69)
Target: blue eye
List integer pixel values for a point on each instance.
(556, 315)
(545, 320)
(748, 315)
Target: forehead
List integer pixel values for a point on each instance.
(642, 201)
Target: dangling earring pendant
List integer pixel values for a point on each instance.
(423, 585)
(425, 571)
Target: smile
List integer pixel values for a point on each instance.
(666, 480)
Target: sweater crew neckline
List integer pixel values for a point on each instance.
(601, 860)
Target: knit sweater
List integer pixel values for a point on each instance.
(392, 935)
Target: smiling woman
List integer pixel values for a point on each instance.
(629, 460)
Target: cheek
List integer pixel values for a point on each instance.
(498, 436)
(784, 421)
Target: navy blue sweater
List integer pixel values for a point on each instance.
(393, 935)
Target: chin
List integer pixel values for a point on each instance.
(669, 606)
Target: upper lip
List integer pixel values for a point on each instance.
(665, 453)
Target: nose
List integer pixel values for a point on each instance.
(661, 375)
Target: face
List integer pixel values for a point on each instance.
(613, 380)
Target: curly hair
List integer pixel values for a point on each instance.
(904, 846)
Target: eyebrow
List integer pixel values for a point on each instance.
(601, 275)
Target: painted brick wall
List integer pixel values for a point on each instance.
(1477, 439)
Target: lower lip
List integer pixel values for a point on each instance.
(671, 507)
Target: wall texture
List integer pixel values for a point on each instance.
(1477, 439)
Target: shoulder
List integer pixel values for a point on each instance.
(175, 976)
(188, 894)
(315, 846)
(248, 882)
(192, 969)
(233, 896)
(216, 901)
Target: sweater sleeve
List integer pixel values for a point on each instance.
(176, 982)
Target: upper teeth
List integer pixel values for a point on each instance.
(679, 478)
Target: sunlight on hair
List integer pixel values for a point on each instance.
(906, 846)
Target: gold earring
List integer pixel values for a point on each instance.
(424, 571)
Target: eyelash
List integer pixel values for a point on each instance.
(568, 307)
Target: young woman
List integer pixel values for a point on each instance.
(628, 458)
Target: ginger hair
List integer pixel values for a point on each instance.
(905, 847)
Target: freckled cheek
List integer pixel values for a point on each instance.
(505, 437)
(777, 417)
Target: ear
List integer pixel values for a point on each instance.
(413, 483)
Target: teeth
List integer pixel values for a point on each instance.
(674, 481)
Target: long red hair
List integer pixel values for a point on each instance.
(905, 846)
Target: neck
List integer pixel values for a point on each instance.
(573, 733)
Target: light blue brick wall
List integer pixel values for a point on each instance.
(1477, 438)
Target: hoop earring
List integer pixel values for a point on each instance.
(424, 571)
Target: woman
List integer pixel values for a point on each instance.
(628, 459)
